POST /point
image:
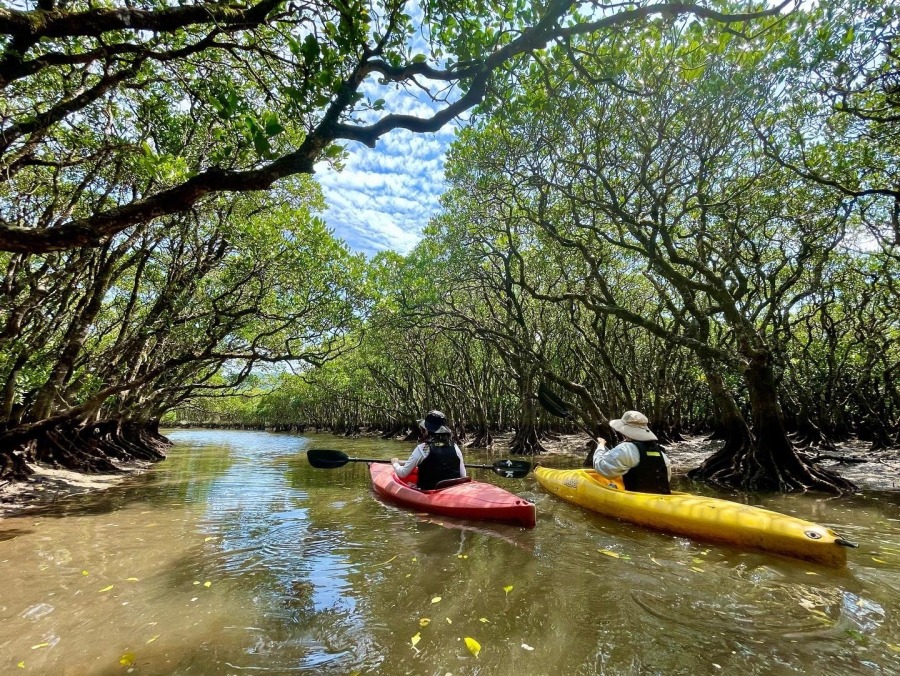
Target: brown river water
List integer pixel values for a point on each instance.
(234, 556)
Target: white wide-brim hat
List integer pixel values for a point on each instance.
(634, 426)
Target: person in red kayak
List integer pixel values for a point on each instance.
(639, 460)
(437, 457)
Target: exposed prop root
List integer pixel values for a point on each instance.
(481, 439)
(748, 466)
(526, 441)
(90, 448)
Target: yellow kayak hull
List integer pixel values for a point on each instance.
(698, 517)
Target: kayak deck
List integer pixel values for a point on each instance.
(472, 500)
(698, 517)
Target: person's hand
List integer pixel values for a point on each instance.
(394, 461)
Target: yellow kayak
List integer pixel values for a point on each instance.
(699, 517)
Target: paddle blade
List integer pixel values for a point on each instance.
(326, 459)
(511, 469)
(552, 403)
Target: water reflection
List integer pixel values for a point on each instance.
(235, 555)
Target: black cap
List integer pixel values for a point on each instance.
(433, 421)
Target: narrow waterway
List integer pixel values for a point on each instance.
(235, 556)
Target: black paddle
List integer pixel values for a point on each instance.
(554, 405)
(559, 407)
(323, 458)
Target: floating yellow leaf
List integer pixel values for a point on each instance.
(207, 584)
(21, 664)
(473, 645)
(876, 560)
(449, 621)
(414, 559)
(415, 639)
(436, 599)
(408, 575)
(696, 570)
(39, 645)
(196, 581)
(809, 572)
(133, 579)
(106, 589)
(615, 555)
(483, 619)
(462, 556)
(424, 622)
(84, 572)
(508, 588)
(127, 659)
(152, 639)
(527, 647)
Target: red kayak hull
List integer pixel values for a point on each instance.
(472, 500)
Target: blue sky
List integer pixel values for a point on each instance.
(384, 196)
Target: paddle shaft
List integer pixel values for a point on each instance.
(387, 462)
(330, 459)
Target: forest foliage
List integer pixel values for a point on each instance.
(682, 209)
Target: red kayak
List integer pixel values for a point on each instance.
(470, 500)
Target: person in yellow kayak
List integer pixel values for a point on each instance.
(437, 457)
(639, 460)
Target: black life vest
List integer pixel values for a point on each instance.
(650, 474)
(440, 463)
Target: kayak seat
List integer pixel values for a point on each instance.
(446, 483)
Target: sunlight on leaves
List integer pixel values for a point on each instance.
(209, 538)
(473, 645)
(424, 622)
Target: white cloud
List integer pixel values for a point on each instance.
(386, 195)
